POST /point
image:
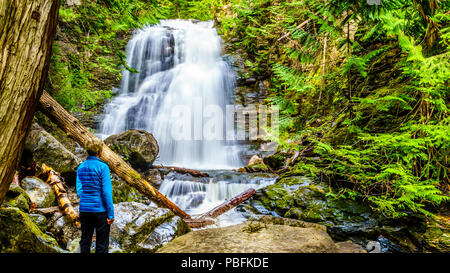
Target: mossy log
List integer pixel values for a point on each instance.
(54, 180)
(74, 129)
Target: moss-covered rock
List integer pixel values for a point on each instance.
(39, 192)
(266, 235)
(123, 192)
(256, 167)
(276, 160)
(137, 147)
(144, 228)
(301, 198)
(18, 233)
(437, 235)
(17, 197)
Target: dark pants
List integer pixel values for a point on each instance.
(91, 221)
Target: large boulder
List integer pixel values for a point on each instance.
(39, 192)
(44, 148)
(138, 147)
(268, 235)
(144, 228)
(19, 234)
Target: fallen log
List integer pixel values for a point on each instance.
(54, 180)
(195, 173)
(74, 129)
(208, 217)
(233, 202)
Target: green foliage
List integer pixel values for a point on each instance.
(375, 109)
(88, 54)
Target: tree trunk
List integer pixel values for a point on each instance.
(27, 28)
(54, 180)
(79, 133)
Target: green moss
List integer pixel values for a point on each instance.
(134, 234)
(17, 197)
(18, 233)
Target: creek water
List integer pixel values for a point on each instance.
(179, 67)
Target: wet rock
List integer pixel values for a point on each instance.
(137, 228)
(19, 234)
(144, 228)
(154, 176)
(39, 192)
(46, 149)
(40, 221)
(137, 147)
(260, 237)
(255, 168)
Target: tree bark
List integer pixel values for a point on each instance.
(79, 133)
(27, 28)
(54, 180)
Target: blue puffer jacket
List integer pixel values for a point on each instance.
(94, 186)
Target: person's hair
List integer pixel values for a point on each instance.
(94, 146)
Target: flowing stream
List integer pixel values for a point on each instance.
(180, 68)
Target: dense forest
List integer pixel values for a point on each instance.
(365, 87)
(362, 86)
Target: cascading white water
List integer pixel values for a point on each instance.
(179, 62)
(180, 67)
(197, 197)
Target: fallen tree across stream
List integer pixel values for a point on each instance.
(208, 217)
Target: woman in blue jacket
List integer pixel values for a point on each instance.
(96, 204)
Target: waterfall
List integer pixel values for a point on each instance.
(179, 66)
(179, 63)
